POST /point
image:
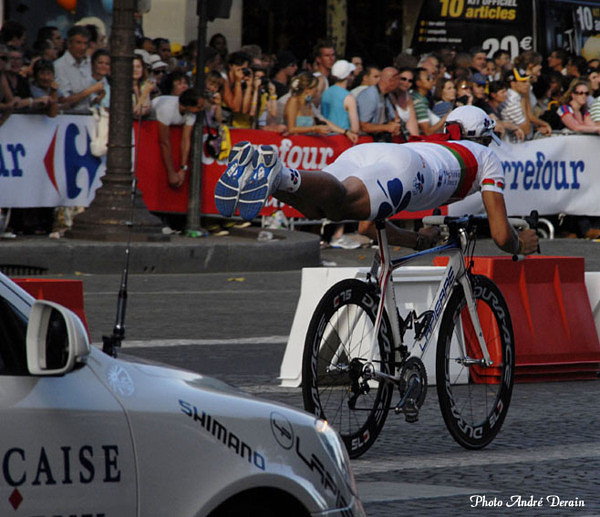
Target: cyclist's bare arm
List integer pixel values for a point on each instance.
(401, 237)
(504, 235)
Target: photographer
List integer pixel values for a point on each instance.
(237, 91)
(263, 107)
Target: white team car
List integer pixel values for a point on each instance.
(84, 434)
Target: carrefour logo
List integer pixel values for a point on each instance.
(73, 162)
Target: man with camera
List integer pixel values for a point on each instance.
(263, 108)
(237, 91)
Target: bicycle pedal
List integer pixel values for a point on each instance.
(410, 418)
(411, 411)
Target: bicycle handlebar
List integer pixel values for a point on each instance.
(467, 221)
(453, 223)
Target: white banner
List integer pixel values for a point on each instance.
(47, 161)
(551, 175)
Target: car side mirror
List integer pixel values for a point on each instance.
(56, 339)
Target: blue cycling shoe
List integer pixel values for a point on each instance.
(231, 182)
(263, 181)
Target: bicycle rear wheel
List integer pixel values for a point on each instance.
(337, 345)
(474, 399)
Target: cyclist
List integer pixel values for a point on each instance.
(377, 180)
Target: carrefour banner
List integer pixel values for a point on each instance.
(463, 24)
(47, 161)
(553, 175)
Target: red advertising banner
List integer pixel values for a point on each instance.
(308, 153)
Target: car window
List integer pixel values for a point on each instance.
(13, 330)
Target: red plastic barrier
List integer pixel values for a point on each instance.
(66, 292)
(300, 152)
(555, 334)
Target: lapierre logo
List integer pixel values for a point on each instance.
(74, 162)
(327, 480)
(282, 430)
(437, 310)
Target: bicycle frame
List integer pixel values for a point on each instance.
(454, 273)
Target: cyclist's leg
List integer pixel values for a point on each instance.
(323, 195)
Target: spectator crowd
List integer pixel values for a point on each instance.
(529, 96)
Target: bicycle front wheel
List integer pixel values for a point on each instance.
(474, 398)
(335, 386)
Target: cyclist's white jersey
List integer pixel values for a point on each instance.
(419, 175)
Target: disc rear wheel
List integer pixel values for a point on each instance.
(336, 385)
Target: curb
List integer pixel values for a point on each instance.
(239, 251)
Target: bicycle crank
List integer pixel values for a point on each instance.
(413, 389)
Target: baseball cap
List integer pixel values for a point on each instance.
(516, 74)
(176, 49)
(144, 55)
(479, 79)
(474, 123)
(159, 64)
(342, 69)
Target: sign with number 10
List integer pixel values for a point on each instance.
(464, 24)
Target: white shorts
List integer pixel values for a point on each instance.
(396, 177)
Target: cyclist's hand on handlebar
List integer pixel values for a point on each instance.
(429, 237)
(530, 241)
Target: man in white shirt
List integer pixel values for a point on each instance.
(73, 72)
(176, 111)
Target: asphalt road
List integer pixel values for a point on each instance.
(235, 327)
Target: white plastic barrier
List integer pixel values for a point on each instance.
(415, 288)
(592, 284)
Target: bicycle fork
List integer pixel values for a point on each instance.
(465, 360)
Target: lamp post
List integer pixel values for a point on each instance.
(193, 228)
(117, 213)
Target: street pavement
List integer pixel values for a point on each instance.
(242, 249)
(235, 325)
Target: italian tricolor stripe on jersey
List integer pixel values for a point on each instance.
(468, 168)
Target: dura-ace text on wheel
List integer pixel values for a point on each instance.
(474, 398)
(336, 386)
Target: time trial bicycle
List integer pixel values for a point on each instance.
(355, 354)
